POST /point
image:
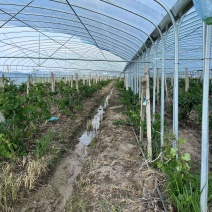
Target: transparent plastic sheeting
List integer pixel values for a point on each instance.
(190, 47)
(87, 30)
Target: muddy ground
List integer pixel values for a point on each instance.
(55, 189)
(108, 175)
(112, 175)
(115, 176)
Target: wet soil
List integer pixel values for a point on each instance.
(55, 190)
(115, 177)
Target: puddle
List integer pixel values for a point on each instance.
(94, 124)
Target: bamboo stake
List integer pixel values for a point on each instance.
(7, 69)
(53, 82)
(72, 79)
(186, 80)
(96, 78)
(83, 79)
(143, 107)
(76, 80)
(2, 81)
(166, 87)
(89, 80)
(127, 87)
(172, 82)
(28, 83)
(158, 86)
(148, 115)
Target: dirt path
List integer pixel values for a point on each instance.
(53, 196)
(115, 177)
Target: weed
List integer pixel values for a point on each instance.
(43, 145)
(121, 122)
(77, 204)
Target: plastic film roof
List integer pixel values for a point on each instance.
(87, 36)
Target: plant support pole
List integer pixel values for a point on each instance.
(148, 115)
(76, 81)
(205, 117)
(142, 109)
(154, 81)
(186, 80)
(72, 79)
(2, 81)
(28, 83)
(162, 93)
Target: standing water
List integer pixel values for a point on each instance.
(94, 125)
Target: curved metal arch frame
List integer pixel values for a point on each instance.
(43, 15)
(45, 35)
(80, 32)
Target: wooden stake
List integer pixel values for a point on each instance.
(127, 84)
(89, 80)
(83, 79)
(2, 81)
(148, 115)
(143, 107)
(28, 83)
(158, 86)
(186, 80)
(124, 80)
(167, 92)
(53, 82)
(72, 79)
(7, 69)
(76, 80)
(172, 82)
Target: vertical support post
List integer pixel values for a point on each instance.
(186, 80)
(96, 78)
(162, 94)
(139, 77)
(72, 79)
(28, 83)
(148, 115)
(172, 82)
(131, 76)
(154, 80)
(158, 86)
(127, 82)
(53, 82)
(143, 107)
(133, 79)
(83, 79)
(7, 69)
(34, 76)
(89, 80)
(176, 86)
(124, 79)
(76, 81)
(2, 81)
(207, 31)
(166, 87)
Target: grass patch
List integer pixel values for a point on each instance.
(122, 122)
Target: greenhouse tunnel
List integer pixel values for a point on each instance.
(122, 39)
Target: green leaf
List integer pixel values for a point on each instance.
(182, 140)
(186, 157)
(173, 152)
(178, 168)
(159, 164)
